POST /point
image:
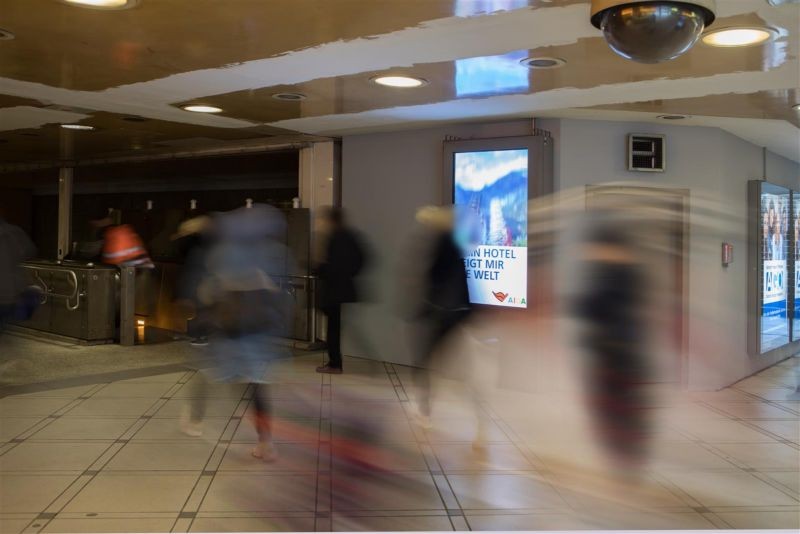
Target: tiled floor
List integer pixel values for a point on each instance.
(109, 458)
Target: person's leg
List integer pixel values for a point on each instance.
(263, 423)
(191, 423)
(334, 332)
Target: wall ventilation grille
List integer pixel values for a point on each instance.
(646, 153)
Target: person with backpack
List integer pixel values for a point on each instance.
(344, 259)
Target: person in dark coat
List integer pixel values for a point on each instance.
(445, 298)
(15, 247)
(343, 260)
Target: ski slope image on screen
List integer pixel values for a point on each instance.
(491, 198)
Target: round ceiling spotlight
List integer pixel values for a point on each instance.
(202, 108)
(399, 81)
(652, 31)
(740, 36)
(796, 107)
(543, 62)
(674, 117)
(289, 97)
(6, 35)
(77, 127)
(107, 5)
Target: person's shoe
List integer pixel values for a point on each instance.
(199, 341)
(265, 451)
(329, 370)
(188, 427)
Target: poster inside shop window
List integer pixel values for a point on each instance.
(775, 216)
(491, 199)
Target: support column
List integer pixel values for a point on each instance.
(64, 212)
(320, 186)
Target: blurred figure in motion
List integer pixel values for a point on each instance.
(194, 239)
(343, 260)
(244, 269)
(444, 298)
(15, 247)
(611, 306)
(121, 245)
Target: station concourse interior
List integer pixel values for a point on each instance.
(614, 346)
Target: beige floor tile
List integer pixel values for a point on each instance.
(164, 456)
(493, 457)
(121, 407)
(762, 520)
(146, 390)
(13, 526)
(686, 456)
(253, 524)
(463, 429)
(724, 395)
(753, 410)
(721, 431)
(282, 430)
(68, 393)
(786, 429)
(529, 522)
(29, 406)
(168, 429)
(603, 495)
(30, 492)
(499, 492)
(168, 378)
(293, 457)
(763, 455)
(83, 428)
(772, 394)
(790, 479)
(729, 489)
(52, 456)
(11, 427)
(292, 409)
(214, 408)
(360, 490)
(385, 456)
(260, 493)
(392, 524)
(135, 492)
(295, 392)
(107, 525)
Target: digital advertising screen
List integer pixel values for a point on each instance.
(491, 225)
(795, 235)
(775, 217)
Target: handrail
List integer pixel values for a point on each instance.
(48, 292)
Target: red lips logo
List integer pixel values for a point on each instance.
(499, 295)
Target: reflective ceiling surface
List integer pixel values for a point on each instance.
(127, 73)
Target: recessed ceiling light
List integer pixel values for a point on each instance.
(289, 96)
(543, 62)
(77, 127)
(731, 37)
(399, 81)
(199, 108)
(5, 35)
(796, 107)
(672, 117)
(103, 4)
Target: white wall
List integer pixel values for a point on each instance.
(386, 177)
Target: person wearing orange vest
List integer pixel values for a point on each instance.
(122, 246)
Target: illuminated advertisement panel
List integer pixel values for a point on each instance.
(775, 217)
(795, 250)
(491, 198)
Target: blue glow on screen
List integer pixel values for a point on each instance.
(491, 74)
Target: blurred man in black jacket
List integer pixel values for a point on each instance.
(343, 260)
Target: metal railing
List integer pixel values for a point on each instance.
(48, 292)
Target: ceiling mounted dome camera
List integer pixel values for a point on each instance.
(651, 31)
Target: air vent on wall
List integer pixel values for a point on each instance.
(646, 153)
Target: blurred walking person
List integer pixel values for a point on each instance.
(444, 302)
(614, 338)
(194, 238)
(343, 260)
(245, 266)
(15, 247)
